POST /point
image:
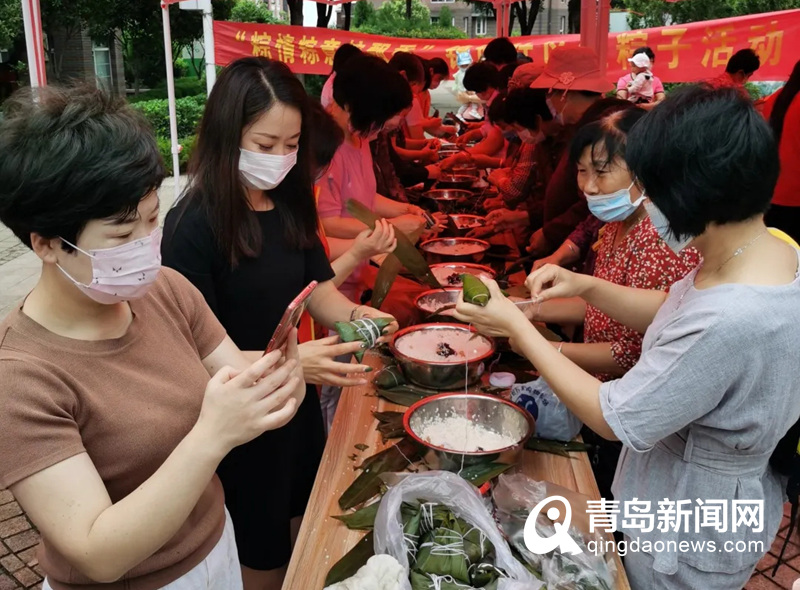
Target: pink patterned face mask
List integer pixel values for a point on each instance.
(123, 272)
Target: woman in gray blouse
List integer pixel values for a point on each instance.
(715, 388)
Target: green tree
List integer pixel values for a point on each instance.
(248, 11)
(445, 17)
(390, 19)
(10, 22)
(657, 13)
(363, 14)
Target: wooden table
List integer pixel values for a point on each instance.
(323, 540)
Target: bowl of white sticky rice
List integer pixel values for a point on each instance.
(461, 429)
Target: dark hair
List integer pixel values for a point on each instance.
(481, 76)
(410, 65)
(647, 51)
(525, 105)
(244, 91)
(344, 53)
(326, 137)
(72, 155)
(507, 71)
(500, 51)
(498, 112)
(608, 136)
(784, 101)
(603, 108)
(372, 91)
(704, 156)
(434, 67)
(744, 60)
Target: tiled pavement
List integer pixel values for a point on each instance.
(19, 568)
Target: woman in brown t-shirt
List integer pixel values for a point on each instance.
(111, 430)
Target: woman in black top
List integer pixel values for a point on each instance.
(245, 234)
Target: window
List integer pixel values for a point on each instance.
(480, 25)
(102, 66)
(466, 25)
(563, 26)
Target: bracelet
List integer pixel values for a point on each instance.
(560, 346)
(353, 313)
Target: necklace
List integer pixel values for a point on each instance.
(736, 253)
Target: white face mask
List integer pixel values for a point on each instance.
(265, 171)
(661, 224)
(527, 136)
(123, 272)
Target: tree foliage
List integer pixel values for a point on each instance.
(363, 13)
(390, 19)
(249, 11)
(10, 22)
(657, 13)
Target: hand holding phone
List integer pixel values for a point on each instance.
(290, 318)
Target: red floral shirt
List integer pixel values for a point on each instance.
(641, 260)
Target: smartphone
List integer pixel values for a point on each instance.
(290, 318)
(429, 220)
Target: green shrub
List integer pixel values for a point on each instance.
(314, 84)
(248, 11)
(189, 110)
(189, 86)
(165, 148)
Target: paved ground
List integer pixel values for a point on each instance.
(19, 568)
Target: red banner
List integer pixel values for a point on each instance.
(684, 53)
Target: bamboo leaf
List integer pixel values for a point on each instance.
(400, 397)
(388, 272)
(360, 520)
(390, 424)
(366, 485)
(362, 447)
(406, 252)
(479, 474)
(352, 561)
(557, 447)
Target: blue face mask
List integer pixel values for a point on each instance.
(660, 222)
(615, 206)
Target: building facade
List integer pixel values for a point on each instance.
(476, 21)
(77, 56)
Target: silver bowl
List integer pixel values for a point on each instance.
(429, 302)
(494, 413)
(444, 272)
(434, 257)
(448, 199)
(448, 152)
(444, 375)
(458, 180)
(465, 223)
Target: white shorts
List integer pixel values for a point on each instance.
(220, 569)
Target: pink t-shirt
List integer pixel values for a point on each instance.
(350, 176)
(326, 98)
(622, 83)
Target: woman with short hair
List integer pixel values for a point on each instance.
(111, 430)
(714, 390)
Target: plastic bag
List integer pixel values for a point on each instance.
(515, 495)
(553, 420)
(465, 502)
